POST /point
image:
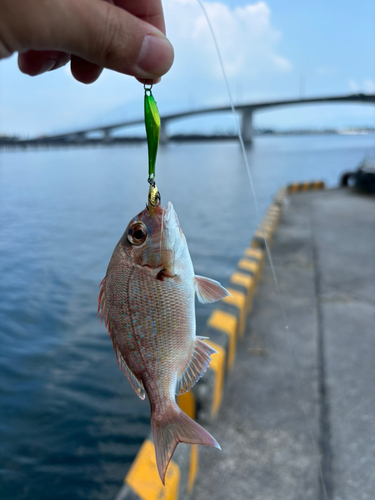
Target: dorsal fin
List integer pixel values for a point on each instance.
(136, 384)
(197, 366)
(209, 290)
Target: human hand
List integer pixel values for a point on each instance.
(127, 36)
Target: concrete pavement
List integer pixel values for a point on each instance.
(298, 415)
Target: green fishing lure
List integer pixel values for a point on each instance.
(152, 123)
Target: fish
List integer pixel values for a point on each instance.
(147, 300)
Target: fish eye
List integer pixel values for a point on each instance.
(137, 233)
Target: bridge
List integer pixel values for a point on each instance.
(245, 111)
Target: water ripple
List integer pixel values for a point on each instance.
(70, 423)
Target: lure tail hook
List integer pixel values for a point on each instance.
(154, 197)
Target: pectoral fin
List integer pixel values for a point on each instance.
(197, 366)
(209, 290)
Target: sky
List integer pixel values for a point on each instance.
(270, 49)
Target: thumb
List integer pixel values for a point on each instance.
(97, 32)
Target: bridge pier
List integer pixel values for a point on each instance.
(80, 137)
(163, 137)
(247, 126)
(107, 136)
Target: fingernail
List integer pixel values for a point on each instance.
(155, 57)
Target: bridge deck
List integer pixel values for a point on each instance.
(303, 399)
(245, 109)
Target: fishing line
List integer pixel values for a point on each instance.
(260, 222)
(239, 133)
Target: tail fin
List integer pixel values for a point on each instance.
(172, 428)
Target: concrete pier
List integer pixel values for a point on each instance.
(297, 419)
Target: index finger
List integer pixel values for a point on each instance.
(150, 11)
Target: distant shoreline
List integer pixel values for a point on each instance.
(11, 143)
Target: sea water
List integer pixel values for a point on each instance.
(70, 424)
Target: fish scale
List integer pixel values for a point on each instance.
(151, 333)
(148, 301)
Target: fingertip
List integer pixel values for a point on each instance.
(105, 35)
(132, 46)
(35, 62)
(155, 57)
(84, 71)
(29, 67)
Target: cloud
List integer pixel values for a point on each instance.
(367, 86)
(245, 36)
(353, 86)
(248, 43)
(327, 71)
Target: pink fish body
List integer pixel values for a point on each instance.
(148, 301)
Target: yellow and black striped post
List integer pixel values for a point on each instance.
(305, 186)
(224, 328)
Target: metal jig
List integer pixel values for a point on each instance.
(152, 123)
